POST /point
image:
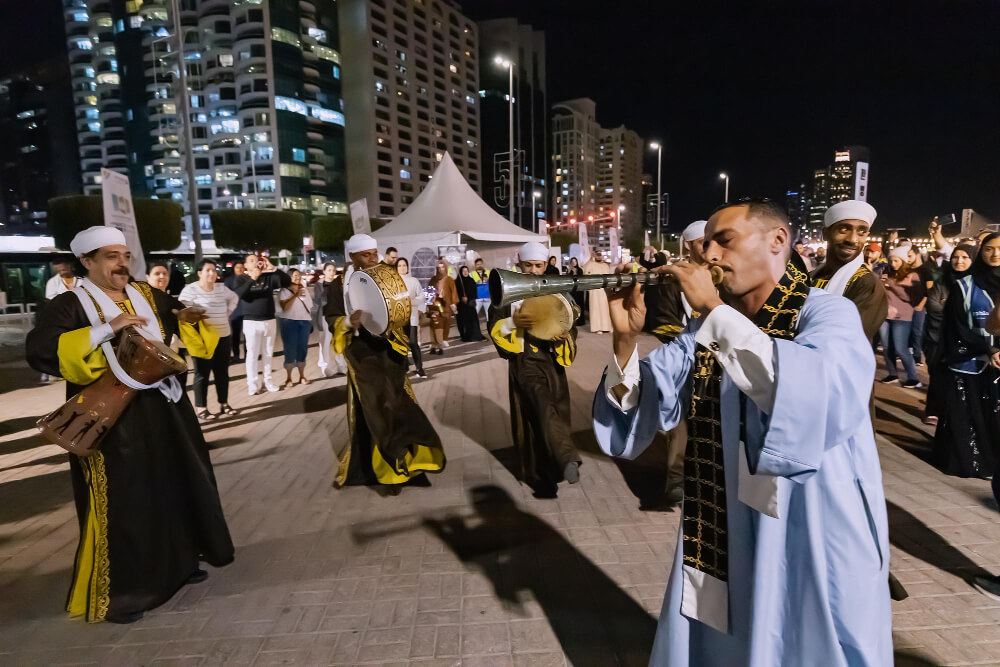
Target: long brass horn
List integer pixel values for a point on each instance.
(509, 286)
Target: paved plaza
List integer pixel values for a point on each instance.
(469, 571)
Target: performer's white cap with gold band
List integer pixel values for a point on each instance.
(850, 209)
(533, 251)
(96, 237)
(360, 243)
(694, 231)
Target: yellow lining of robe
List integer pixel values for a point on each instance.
(340, 337)
(200, 339)
(511, 343)
(425, 459)
(566, 352)
(79, 364)
(90, 593)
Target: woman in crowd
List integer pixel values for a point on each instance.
(600, 313)
(901, 286)
(957, 268)
(295, 321)
(417, 305)
(552, 269)
(968, 432)
(219, 303)
(445, 305)
(468, 319)
(578, 295)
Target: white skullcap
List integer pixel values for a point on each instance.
(849, 210)
(96, 237)
(533, 251)
(694, 231)
(360, 243)
(901, 251)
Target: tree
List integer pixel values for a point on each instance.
(157, 220)
(563, 239)
(252, 229)
(330, 232)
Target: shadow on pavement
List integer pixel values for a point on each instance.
(45, 460)
(18, 424)
(318, 401)
(908, 533)
(595, 621)
(902, 659)
(25, 498)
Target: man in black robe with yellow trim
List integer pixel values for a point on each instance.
(392, 441)
(147, 501)
(539, 390)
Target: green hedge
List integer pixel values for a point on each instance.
(563, 239)
(252, 229)
(158, 220)
(330, 232)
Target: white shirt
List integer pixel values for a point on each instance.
(55, 286)
(299, 309)
(745, 353)
(418, 304)
(219, 303)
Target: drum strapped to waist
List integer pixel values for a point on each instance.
(83, 421)
(553, 315)
(382, 296)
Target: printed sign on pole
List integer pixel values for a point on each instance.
(119, 213)
(616, 250)
(359, 217)
(584, 242)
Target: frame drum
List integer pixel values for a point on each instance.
(553, 315)
(383, 296)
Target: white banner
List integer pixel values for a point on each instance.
(584, 242)
(119, 213)
(861, 181)
(616, 250)
(359, 217)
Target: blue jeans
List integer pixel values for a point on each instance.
(295, 338)
(917, 333)
(896, 342)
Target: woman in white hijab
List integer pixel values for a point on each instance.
(600, 314)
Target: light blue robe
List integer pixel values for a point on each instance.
(810, 587)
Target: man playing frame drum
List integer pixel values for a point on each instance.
(539, 391)
(391, 440)
(146, 501)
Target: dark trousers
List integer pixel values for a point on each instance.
(917, 333)
(415, 348)
(218, 366)
(236, 324)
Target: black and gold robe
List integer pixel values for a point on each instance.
(147, 502)
(539, 401)
(865, 289)
(392, 440)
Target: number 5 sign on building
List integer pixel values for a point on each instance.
(118, 212)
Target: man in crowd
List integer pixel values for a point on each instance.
(927, 274)
(62, 279)
(147, 501)
(845, 227)
(482, 278)
(539, 390)
(236, 317)
(256, 291)
(392, 442)
(328, 305)
(391, 255)
(802, 251)
(782, 556)
(874, 258)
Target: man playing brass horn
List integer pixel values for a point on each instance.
(391, 440)
(539, 391)
(147, 502)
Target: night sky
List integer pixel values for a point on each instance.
(765, 91)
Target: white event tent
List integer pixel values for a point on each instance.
(450, 213)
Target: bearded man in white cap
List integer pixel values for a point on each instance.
(539, 391)
(392, 442)
(147, 501)
(845, 227)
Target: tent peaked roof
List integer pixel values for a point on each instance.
(448, 205)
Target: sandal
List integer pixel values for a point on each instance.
(227, 409)
(206, 415)
(305, 381)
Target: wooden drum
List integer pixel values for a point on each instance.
(553, 315)
(381, 294)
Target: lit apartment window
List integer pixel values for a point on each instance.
(299, 154)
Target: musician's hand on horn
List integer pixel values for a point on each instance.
(127, 320)
(696, 283)
(628, 315)
(191, 314)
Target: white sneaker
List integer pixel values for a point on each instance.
(252, 391)
(270, 387)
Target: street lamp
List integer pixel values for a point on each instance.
(509, 64)
(725, 177)
(534, 216)
(659, 172)
(183, 108)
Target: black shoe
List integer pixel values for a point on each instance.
(125, 619)
(420, 374)
(890, 379)
(912, 384)
(989, 586)
(197, 577)
(571, 473)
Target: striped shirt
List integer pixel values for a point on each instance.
(218, 304)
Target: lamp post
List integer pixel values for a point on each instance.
(509, 64)
(725, 177)
(534, 215)
(659, 200)
(183, 108)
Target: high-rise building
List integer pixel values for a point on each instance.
(819, 200)
(575, 136)
(525, 46)
(411, 94)
(849, 174)
(264, 94)
(796, 204)
(36, 129)
(619, 178)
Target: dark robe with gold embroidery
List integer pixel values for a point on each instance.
(147, 503)
(539, 402)
(392, 440)
(866, 291)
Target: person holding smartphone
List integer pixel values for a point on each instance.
(256, 289)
